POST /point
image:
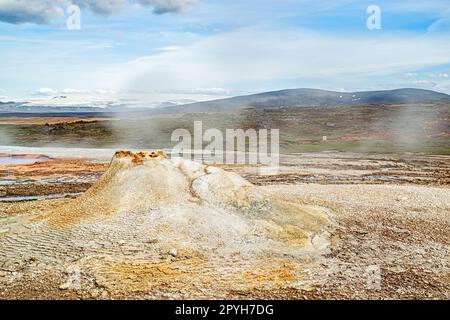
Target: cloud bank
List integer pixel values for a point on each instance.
(274, 57)
(44, 11)
(21, 11)
(43, 92)
(103, 7)
(166, 6)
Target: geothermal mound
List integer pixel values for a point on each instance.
(156, 225)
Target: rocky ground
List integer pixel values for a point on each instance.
(391, 218)
(402, 231)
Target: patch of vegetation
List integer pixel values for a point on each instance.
(371, 128)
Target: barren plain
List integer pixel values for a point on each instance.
(386, 213)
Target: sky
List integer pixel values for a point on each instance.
(191, 50)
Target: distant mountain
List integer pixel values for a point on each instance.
(10, 108)
(314, 97)
(273, 99)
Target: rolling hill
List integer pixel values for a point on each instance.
(312, 98)
(265, 100)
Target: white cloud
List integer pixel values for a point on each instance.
(169, 48)
(44, 11)
(44, 92)
(104, 91)
(104, 7)
(71, 91)
(424, 83)
(20, 11)
(213, 91)
(236, 59)
(439, 75)
(165, 6)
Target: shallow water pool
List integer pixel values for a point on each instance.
(18, 160)
(34, 198)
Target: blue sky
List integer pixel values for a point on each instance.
(220, 48)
